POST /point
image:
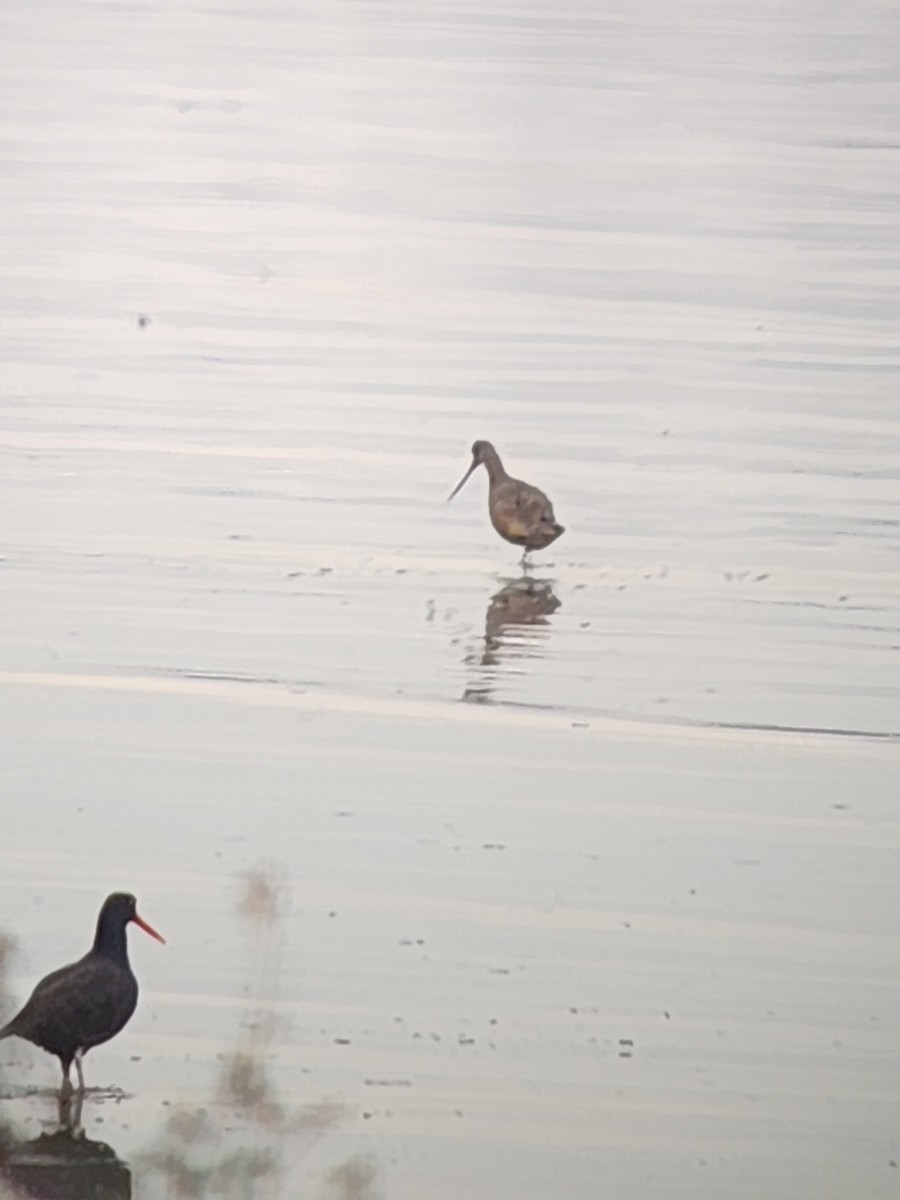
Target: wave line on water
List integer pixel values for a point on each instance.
(590, 724)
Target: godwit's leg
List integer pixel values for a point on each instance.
(526, 564)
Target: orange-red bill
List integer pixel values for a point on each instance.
(148, 928)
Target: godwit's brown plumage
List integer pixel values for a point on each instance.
(88, 1002)
(520, 512)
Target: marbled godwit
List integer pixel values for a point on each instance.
(90, 1001)
(520, 513)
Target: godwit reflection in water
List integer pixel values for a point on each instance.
(64, 1164)
(520, 602)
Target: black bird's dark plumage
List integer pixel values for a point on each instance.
(88, 1002)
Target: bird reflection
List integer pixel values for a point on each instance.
(524, 601)
(65, 1165)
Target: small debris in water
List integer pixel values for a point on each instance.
(262, 896)
(143, 320)
(355, 1179)
(388, 1082)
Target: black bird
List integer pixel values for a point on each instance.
(88, 1002)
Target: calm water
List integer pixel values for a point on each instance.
(589, 890)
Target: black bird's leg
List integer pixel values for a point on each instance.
(70, 1107)
(79, 1055)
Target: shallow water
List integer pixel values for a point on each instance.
(592, 879)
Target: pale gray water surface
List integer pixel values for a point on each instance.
(590, 897)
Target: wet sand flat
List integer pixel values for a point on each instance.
(588, 878)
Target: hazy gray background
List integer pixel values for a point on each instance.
(650, 250)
